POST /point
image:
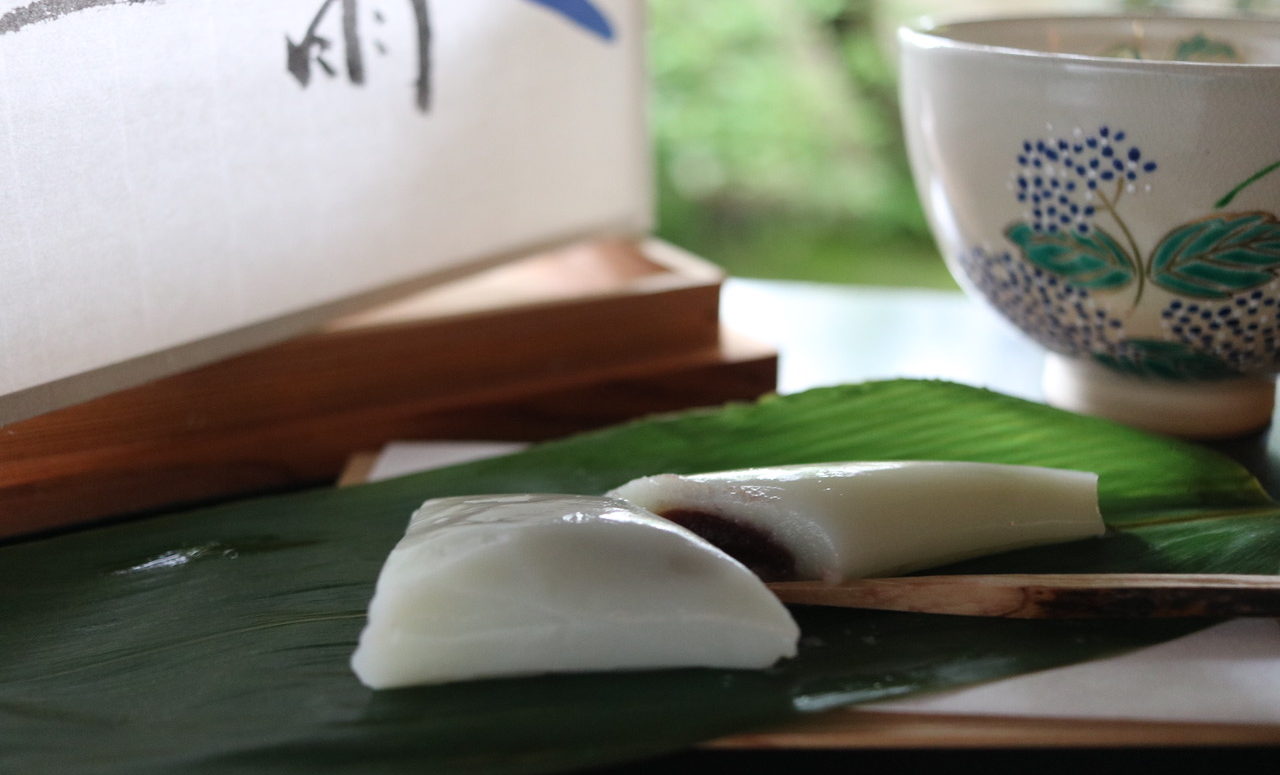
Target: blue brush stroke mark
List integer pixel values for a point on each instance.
(584, 13)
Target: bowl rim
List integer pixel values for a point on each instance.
(929, 32)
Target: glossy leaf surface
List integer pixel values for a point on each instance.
(217, 641)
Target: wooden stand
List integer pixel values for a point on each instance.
(532, 350)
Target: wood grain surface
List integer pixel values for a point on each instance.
(1051, 595)
(556, 344)
(854, 728)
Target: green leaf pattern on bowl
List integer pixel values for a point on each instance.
(1219, 256)
(1164, 360)
(1197, 48)
(1093, 260)
(1074, 253)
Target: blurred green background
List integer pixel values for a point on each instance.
(778, 144)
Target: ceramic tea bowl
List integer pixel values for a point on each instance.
(1111, 185)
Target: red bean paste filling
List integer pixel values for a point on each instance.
(752, 547)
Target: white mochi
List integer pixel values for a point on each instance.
(855, 520)
(508, 585)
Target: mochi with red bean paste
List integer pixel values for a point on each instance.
(838, 521)
(504, 585)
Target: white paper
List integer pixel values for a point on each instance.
(1228, 673)
(410, 457)
(173, 170)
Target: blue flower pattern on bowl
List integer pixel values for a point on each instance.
(1076, 263)
(1064, 182)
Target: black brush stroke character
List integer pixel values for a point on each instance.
(300, 54)
(48, 10)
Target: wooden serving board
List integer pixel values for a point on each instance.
(539, 348)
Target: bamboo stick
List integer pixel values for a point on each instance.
(1051, 595)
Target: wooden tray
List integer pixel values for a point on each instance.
(539, 348)
(854, 728)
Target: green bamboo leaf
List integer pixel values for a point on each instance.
(216, 641)
(1094, 260)
(1165, 360)
(1220, 256)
